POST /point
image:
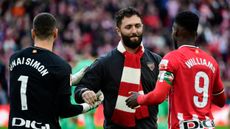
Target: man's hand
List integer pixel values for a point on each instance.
(89, 97)
(132, 100)
(78, 76)
(87, 107)
(100, 96)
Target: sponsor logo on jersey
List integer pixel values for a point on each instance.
(195, 124)
(31, 124)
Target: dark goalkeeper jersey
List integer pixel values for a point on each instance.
(39, 89)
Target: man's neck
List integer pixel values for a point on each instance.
(186, 42)
(46, 44)
(131, 50)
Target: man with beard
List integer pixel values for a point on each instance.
(129, 67)
(190, 77)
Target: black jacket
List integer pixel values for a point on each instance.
(105, 75)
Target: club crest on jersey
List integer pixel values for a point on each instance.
(163, 64)
(151, 65)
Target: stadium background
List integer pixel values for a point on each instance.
(86, 31)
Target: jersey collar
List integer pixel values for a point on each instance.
(191, 46)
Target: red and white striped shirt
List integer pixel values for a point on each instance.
(196, 77)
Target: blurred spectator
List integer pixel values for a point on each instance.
(90, 23)
(3, 85)
(3, 96)
(3, 81)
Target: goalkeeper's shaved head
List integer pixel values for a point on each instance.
(44, 25)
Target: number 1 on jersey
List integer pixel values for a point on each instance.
(24, 80)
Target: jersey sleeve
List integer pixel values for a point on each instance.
(65, 108)
(167, 68)
(90, 81)
(163, 85)
(218, 84)
(64, 80)
(168, 63)
(219, 97)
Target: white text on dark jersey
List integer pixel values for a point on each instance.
(30, 62)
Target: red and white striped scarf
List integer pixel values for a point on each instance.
(130, 81)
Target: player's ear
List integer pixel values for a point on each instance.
(55, 33)
(32, 34)
(177, 31)
(118, 31)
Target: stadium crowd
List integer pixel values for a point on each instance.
(87, 27)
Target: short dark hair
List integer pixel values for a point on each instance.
(188, 20)
(126, 12)
(44, 24)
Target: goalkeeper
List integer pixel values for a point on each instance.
(40, 82)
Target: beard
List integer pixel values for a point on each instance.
(130, 43)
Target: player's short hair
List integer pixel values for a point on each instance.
(188, 20)
(126, 12)
(44, 25)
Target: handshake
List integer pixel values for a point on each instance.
(98, 97)
(87, 107)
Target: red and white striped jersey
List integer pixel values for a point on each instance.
(196, 77)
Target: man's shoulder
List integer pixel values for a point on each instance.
(56, 58)
(58, 61)
(148, 52)
(152, 55)
(172, 54)
(57, 64)
(112, 55)
(209, 57)
(18, 52)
